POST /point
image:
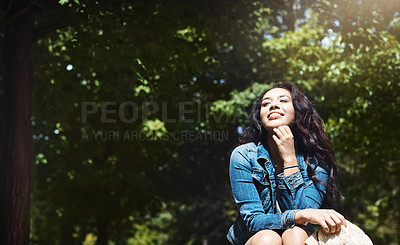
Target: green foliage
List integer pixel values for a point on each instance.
(146, 181)
(96, 180)
(238, 107)
(152, 231)
(356, 90)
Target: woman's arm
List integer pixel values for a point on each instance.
(248, 199)
(299, 192)
(296, 191)
(328, 219)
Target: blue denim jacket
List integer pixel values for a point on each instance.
(265, 199)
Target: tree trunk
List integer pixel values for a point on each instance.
(291, 16)
(16, 132)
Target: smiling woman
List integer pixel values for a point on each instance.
(277, 109)
(283, 172)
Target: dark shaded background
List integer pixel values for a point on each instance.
(118, 117)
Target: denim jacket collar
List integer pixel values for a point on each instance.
(262, 154)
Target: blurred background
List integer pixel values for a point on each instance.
(138, 104)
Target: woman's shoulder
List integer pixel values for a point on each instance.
(251, 146)
(245, 151)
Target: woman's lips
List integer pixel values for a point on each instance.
(274, 115)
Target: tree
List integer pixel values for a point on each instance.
(355, 88)
(144, 54)
(102, 69)
(16, 133)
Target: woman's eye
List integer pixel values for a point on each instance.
(266, 103)
(284, 101)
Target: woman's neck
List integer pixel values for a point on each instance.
(273, 151)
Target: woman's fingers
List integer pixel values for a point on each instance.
(324, 225)
(329, 220)
(276, 139)
(333, 226)
(342, 219)
(278, 133)
(334, 221)
(284, 140)
(283, 132)
(338, 221)
(286, 129)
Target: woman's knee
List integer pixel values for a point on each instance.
(265, 237)
(294, 236)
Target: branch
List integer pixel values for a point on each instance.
(43, 31)
(20, 13)
(10, 3)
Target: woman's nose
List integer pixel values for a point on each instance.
(274, 105)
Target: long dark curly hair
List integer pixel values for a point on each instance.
(309, 137)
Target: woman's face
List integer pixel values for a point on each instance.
(277, 109)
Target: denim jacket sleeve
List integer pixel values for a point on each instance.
(297, 191)
(247, 197)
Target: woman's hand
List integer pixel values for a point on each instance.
(330, 220)
(284, 141)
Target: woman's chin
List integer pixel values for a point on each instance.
(271, 126)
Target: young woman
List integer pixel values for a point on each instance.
(283, 172)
